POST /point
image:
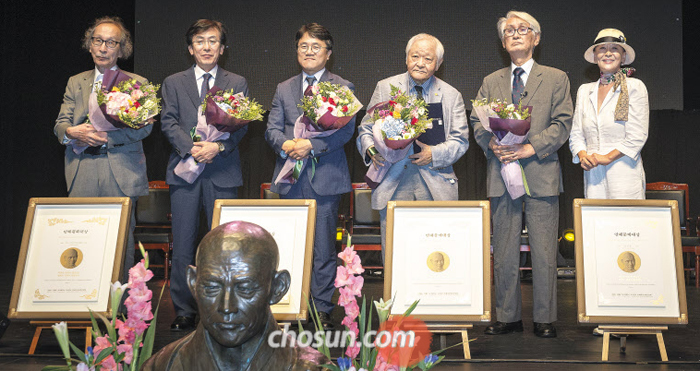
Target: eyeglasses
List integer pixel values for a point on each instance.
(315, 48)
(201, 42)
(522, 30)
(96, 41)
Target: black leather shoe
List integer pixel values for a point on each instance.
(326, 321)
(182, 323)
(545, 330)
(500, 328)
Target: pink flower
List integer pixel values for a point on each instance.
(355, 266)
(346, 297)
(128, 351)
(101, 343)
(108, 364)
(342, 276)
(352, 310)
(353, 351)
(382, 365)
(116, 101)
(348, 255)
(351, 325)
(136, 94)
(139, 273)
(355, 285)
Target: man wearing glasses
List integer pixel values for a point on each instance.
(330, 178)
(546, 89)
(183, 94)
(113, 164)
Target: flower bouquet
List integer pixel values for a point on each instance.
(397, 124)
(221, 114)
(329, 108)
(510, 124)
(128, 343)
(364, 352)
(121, 102)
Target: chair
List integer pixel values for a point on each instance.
(266, 193)
(153, 222)
(362, 222)
(680, 193)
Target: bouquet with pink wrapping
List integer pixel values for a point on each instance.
(510, 124)
(121, 102)
(329, 108)
(397, 124)
(228, 112)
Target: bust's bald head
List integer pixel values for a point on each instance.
(248, 238)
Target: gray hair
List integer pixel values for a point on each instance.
(501, 25)
(439, 49)
(125, 44)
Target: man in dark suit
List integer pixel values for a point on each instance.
(183, 94)
(331, 178)
(114, 164)
(546, 89)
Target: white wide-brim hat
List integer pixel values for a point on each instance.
(607, 36)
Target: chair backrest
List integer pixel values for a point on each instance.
(154, 208)
(361, 206)
(266, 193)
(671, 191)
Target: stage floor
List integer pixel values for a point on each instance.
(574, 349)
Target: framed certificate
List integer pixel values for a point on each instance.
(72, 250)
(438, 252)
(628, 262)
(292, 224)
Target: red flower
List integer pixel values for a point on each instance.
(324, 99)
(137, 104)
(344, 109)
(330, 109)
(413, 121)
(331, 101)
(392, 102)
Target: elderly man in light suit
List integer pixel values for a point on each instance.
(331, 178)
(428, 174)
(183, 93)
(114, 164)
(546, 89)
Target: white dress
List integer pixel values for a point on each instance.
(595, 132)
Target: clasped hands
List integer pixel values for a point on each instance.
(204, 152)
(513, 152)
(85, 135)
(588, 162)
(297, 148)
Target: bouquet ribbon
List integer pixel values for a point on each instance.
(291, 170)
(189, 169)
(507, 132)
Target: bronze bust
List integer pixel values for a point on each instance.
(235, 282)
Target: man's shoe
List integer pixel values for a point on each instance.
(501, 328)
(545, 330)
(326, 321)
(182, 323)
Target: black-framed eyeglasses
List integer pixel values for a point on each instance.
(522, 30)
(315, 48)
(96, 41)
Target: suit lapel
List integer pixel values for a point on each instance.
(533, 83)
(190, 83)
(86, 85)
(437, 92)
(504, 85)
(296, 92)
(222, 79)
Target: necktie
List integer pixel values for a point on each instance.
(518, 86)
(419, 92)
(310, 81)
(205, 86)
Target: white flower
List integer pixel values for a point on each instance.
(61, 331)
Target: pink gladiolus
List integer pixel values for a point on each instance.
(352, 310)
(101, 343)
(355, 284)
(139, 272)
(128, 351)
(342, 276)
(351, 325)
(346, 297)
(348, 255)
(353, 351)
(108, 364)
(355, 267)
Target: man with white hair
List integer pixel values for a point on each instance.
(547, 90)
(426, 172)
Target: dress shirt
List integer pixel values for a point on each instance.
(317, 75)
(199, 75)
(426, 87)
(527, 67)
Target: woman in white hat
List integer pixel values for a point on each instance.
(611, 122)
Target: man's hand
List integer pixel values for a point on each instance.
(87, 134)
(288, 146)
(204, 151)
(377, 158)
(588, 162)
(301, 150)
(509, 153)
(424, 157)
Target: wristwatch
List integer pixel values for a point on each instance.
(221, 146)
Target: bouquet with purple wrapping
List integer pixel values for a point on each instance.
(398, 122)
(121, 102)
(329, 108)
(228, 112)
(189, 169)
(510, 124)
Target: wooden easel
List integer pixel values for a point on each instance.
(72, 325)
(624, 331)
(444, 329)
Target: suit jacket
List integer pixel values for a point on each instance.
(548, 92)
(332, 176)
(124, 150)
(180, 104)
(192, 353)
(438, 175)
